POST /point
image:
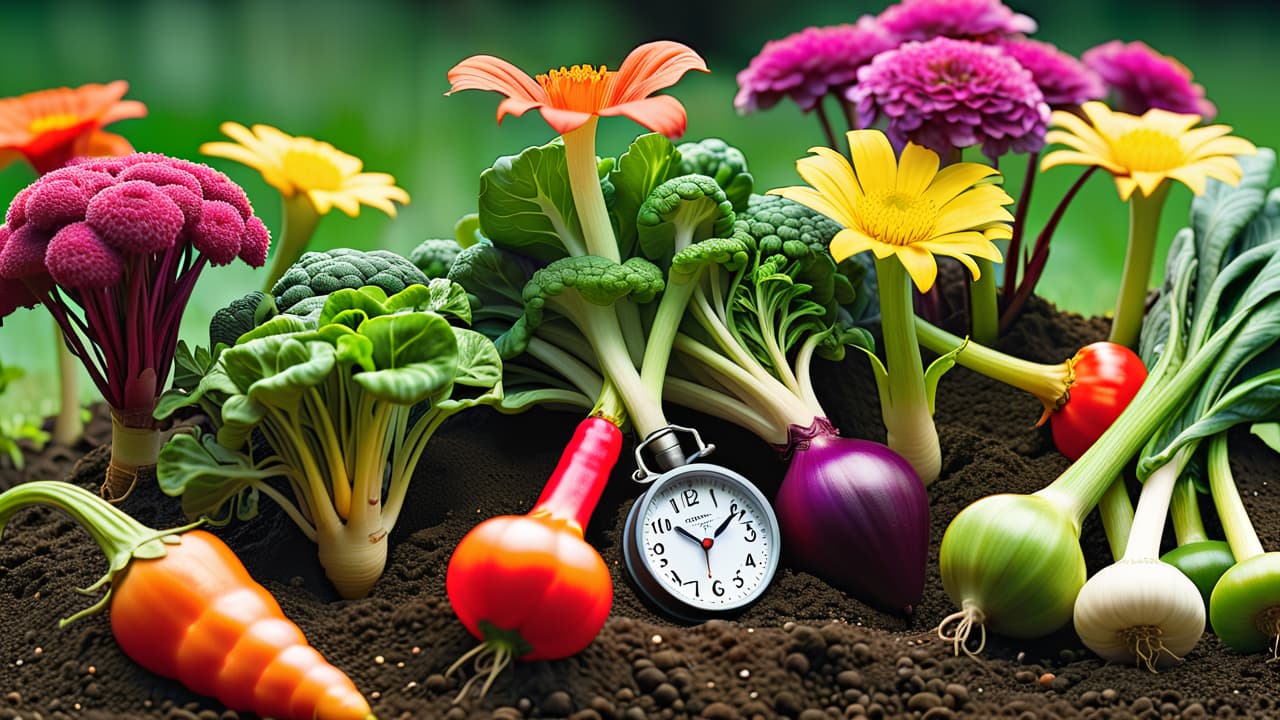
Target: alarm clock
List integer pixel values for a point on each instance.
(702, 542)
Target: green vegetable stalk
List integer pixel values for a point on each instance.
(346, 404)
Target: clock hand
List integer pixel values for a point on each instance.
(723, 525)
(688, 534)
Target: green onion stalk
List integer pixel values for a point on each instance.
(1139, 609)
(1198, 557)
(1244, 608)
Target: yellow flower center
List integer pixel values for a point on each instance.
(1147, 150)
(897, 218)
(52, 123)
(581, 87)
(310, 171)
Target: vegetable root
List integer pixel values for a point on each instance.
(1147, 645)
(1269, 625)
(966, 620)
(490, 661)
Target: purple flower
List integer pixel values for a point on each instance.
(809, 64)
(1143, 79)
(948, 94)
(1064, 80)
(981, 20)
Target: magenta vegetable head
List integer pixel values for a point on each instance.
(855, 514)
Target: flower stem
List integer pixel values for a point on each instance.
(1144, 221)
(1188, 526)
(588, 198)
(68, 428)
(984, 313)
(827, 130)
(1013, 254)
(1049, 383)
(297, 227)
(907, 420)
(1241, 536)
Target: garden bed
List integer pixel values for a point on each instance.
(804, 651)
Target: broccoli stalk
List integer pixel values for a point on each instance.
(347, 403)
(113, 248)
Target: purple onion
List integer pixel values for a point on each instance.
(855, 514)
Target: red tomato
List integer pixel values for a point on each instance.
(1106, 377)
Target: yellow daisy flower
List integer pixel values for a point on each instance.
(905, 207)
(313, 177)
(327, 176)
(1144, 151)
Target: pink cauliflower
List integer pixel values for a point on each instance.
(113, 248)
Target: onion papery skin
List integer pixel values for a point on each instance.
(1245, 592)
(1203, 562)
(855, 514)
(1135, 594)
(1015, 558)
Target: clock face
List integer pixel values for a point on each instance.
(708, 538)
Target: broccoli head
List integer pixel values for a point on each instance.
(434, 256)
(591, 279)
(682, 211)
(307, 282)
(724, 163)
(239, 317)
(779, 225)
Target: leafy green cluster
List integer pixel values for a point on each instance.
(720, 276)
(346, 401)
(434, 256)
(239, 317)
(304, 286)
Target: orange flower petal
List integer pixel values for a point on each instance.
(486, 72)
(661, 113)
(123, 110)
(515, 106)
(652, 67)
(101, 144)
(564, 121)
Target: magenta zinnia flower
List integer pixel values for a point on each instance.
(948, 94)
(809, 64)
(1143, 79)
(981, 20)
(1064, 80)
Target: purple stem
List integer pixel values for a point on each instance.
(850, 114)
(1013, 258)
(1040, 254)
(826, 126)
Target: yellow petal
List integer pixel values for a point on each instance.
(964, 259)
(916, 169)
(1071, 157)
(1085, 137)
(955, 179)
(1230, 145)
(1125, 185)
(1149, 181)
(969, 242)
(1192, 139)
(232, 151)
(873, 159)
(849, 242)
(1170, 123)
(920, 265)
(977, 207)
(815, 201)
(830, 174)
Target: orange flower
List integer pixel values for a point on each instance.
(49, 127)
(568, 98)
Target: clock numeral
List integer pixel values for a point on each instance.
(717, 589)
(661, 525)
(714, 503)
(751, 533)
(662, 562)
(737, 579)
(690, 498)
(674, 506)
(676, 577)
(658, 548)
(751, 562)
(694, 583)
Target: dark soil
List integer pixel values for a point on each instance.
(804, 651)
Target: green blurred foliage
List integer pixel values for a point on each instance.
(369, 77)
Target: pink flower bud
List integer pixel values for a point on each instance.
(135, 217)
(255, 242)
(78, 258)
(23, 253)
(218, 232)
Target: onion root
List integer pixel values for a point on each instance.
(966, 620)
(1146, 644)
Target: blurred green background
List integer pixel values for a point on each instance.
(369, 77)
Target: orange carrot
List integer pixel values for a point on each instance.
(184, 607)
